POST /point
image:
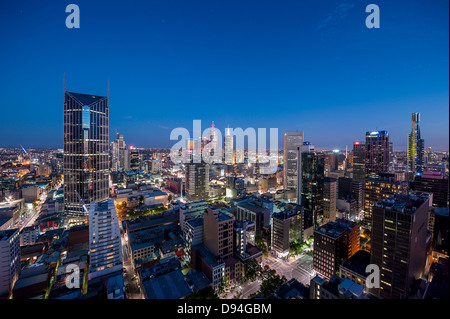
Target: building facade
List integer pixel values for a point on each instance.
(86, 152)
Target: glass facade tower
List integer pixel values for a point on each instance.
(86, 153)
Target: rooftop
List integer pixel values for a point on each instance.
(168, 286)
(6, 234)
(403, 203)
(335, 229)
(195, 222)
(86, 99)
(358, 263)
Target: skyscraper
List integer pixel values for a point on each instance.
(416, 146)
(377, 152)
(197, 181)
(383, 186)
(292, 141)
(118, 148)
(359, 166)
(228, 147)
(105, 247)
(135, 163)
(399, 240)
(329, 199)
(86, 154)
(313, 174)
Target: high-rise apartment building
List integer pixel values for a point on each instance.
(86, 153)
(416, 146)
(399, 241)
(376, 152)
(105, 247)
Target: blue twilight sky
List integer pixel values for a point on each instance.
(310, 65)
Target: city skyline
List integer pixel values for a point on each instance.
(239, 150)
(309, 67)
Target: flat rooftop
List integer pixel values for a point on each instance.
(168, 286)
(358, 263)
(404, 203)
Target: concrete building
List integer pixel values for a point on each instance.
(29, 235)
(435, 183)
(287, 227)
(105, 247)
(399, 241)
(334, 243)
(255, 212)
(10, 259)
(218, 233)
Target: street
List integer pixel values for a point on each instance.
(301, 268)
(130, 279)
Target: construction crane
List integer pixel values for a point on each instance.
(82, 202)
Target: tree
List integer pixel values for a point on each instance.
(207, 293)
(169, 198)
(271, 282)
(252, 269)
(261, 245)
(223, 285)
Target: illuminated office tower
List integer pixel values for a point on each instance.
(334, 243)
(329, 199)
(197, 181)
(378, 188)
(135, 162)
(86, 152)
(377, 152)
(399, 242)
(416, 148)
(118, 148)
(359, 166)
(313, 174)
(391, 156)
(292, 141)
